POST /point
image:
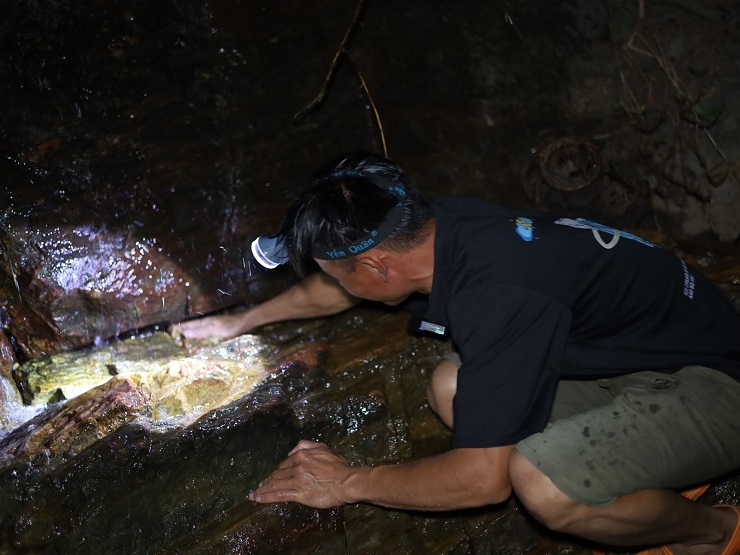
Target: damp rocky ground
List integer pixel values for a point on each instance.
(107, 470)
(158, 458)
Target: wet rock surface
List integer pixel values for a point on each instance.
(146, 144)
(71, 428)
(97, 472)
(358, 383)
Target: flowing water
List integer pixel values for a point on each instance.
(15, 412)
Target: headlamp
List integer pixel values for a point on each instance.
(270, 251)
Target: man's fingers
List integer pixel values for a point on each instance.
(267, 495)
(282, 485)
(194, 329)
(282, 473)
(298, 455)
(308, 444)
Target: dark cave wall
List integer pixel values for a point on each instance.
(145, 144)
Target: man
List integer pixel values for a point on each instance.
(596, 377)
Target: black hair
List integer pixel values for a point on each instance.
(343, 203)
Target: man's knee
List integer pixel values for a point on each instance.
(542, 499)
(441, 390)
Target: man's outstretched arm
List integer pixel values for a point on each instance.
(316, 476)
(317, 295)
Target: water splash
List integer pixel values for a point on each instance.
(15, 412)
(180, 385)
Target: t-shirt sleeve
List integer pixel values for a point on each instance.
(511, 340)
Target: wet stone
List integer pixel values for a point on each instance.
(134, 484)
(69, 429)
(126, 481)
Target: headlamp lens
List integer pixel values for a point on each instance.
(270, 251)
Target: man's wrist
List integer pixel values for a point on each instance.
(355, 486)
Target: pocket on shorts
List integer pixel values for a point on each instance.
(644, 381)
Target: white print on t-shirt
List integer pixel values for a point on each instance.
(688, 281)
(597, 229)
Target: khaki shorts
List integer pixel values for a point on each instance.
(611, 437)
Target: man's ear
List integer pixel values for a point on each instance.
(377, 263)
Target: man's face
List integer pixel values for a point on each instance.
(364, 282)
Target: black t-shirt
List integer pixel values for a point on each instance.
(530, 298)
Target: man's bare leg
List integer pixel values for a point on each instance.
(648, 517)
(441, 390)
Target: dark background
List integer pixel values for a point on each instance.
(144, 144)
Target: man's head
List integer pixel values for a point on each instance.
(353, 206)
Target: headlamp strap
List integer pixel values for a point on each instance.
(375, 236)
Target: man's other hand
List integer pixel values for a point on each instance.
(224, 326)
(312, 475)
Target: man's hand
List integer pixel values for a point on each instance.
(317, 295)
(312, 475)
(224, 326)
(316, 476)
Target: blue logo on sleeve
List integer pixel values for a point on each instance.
(525, 228)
